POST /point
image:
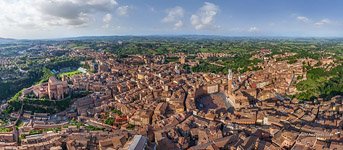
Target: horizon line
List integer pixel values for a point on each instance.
(176, 35)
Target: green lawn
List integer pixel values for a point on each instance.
(5, 130)
(69, 74)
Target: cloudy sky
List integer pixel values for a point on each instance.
(34, 19)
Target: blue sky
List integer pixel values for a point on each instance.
(68, 18)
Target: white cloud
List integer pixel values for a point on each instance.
(152, 9)
(323, 22)
(123, 10)
(101, 3)
(178, 24)
(73, 12)
(49, 13)
(204, 18)
(174, 16)
(319, 23)
(303, 19)
(107, 20)
(253, 29)
(12, 14)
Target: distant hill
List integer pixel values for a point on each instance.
(151, 37)
(6, 40)
(192, 37)
(142, 38)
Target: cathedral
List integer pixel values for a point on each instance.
(57, 90)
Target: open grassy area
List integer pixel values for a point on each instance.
(2, 130)
(69, 74)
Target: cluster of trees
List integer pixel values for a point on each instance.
(207, 67)
(188, 46)
(87, 127)
(37, 74)
(238, 64)
(5, 130)
(116, 111)
(46, 74)
(171, 59)
(33, 132)
(63, 62)
(93, 128)
(302, 54)
(321, 83)
(242, 63)
(130, 126)
(9, 88)
(109, 121)
(8, 50)
(151, 46)
(76, 123)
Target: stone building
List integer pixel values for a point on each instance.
(57, 89)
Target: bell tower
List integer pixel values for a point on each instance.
(229, 81)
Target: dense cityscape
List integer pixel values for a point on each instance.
(91, 94)
(171, 75)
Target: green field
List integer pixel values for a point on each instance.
(69, 74)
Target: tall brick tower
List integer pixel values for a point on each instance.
(229, 81)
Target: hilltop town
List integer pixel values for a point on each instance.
(171, 75)
(171, 101)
